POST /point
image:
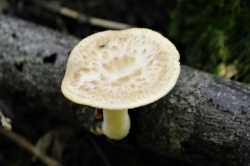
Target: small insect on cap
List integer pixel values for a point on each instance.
(121, 69)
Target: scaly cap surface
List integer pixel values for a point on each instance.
(121, 69)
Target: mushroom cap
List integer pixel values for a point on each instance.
(121, 69)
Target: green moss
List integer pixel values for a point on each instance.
(212, 33)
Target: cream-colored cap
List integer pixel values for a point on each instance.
(121, 69)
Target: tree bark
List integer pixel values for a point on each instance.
(204, 120)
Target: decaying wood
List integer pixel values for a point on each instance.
(204, 120)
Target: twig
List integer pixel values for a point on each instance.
(29, 147)
(82, 17)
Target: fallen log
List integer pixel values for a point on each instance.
(204, 120)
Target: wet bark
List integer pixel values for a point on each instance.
(204, 120)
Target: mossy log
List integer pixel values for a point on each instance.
(204, 120)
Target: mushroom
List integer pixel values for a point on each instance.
(120, 70)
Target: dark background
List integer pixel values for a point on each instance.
(213, 36)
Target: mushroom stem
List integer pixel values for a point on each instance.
(116, 123)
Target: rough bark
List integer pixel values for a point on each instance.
(204, 120)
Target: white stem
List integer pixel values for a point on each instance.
(116, 123)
